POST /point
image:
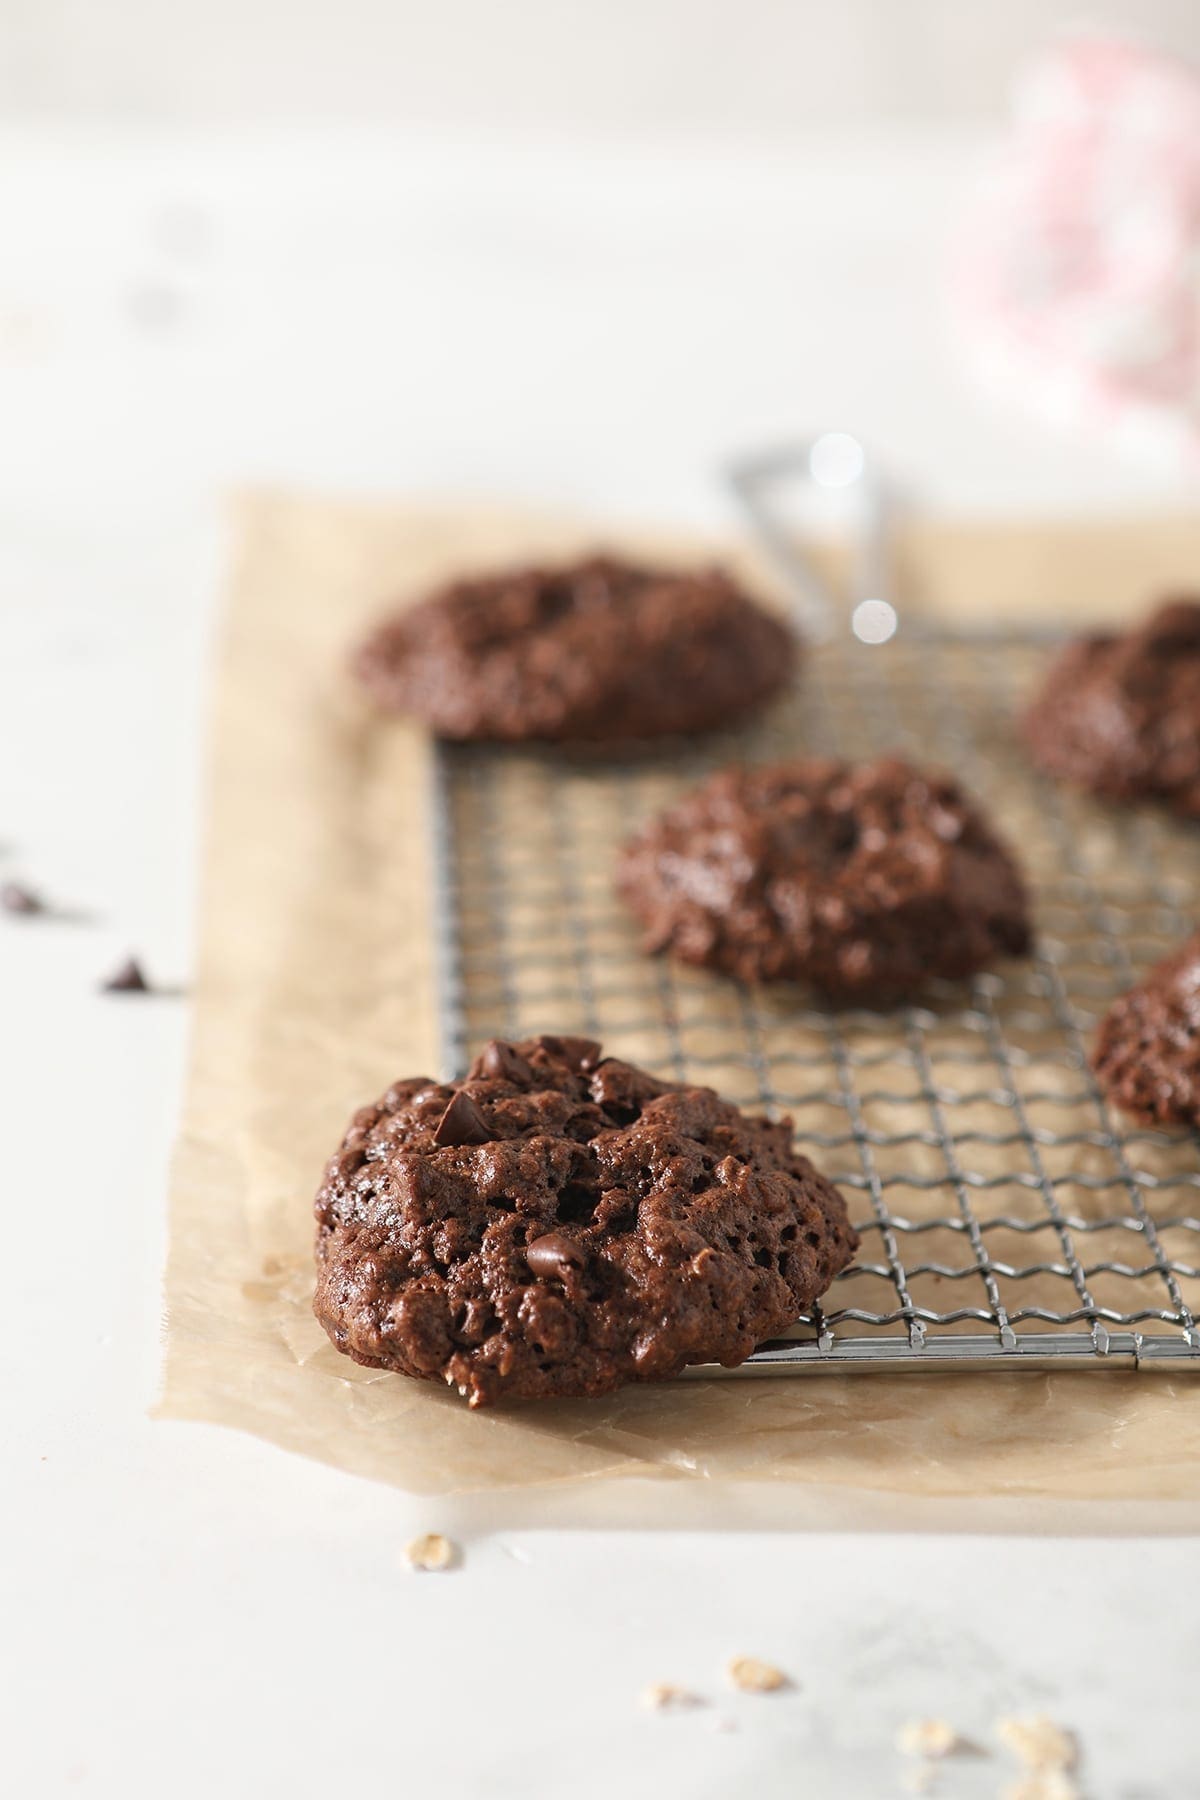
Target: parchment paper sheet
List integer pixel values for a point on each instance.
(315, 989)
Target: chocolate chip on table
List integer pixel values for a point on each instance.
(554, 1254)
(128, 979)
(462, 1123)
(498, 1061)
(15, 897)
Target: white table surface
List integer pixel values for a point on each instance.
(186, 1611)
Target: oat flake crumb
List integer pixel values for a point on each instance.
(927, 1737)
(755, 1677)
(1038, 1742)
(663, 1695)
(431, 1552)
(1046, 1784)
(918, 1779)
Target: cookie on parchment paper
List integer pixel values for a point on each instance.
(561, 1223)
(601, 651)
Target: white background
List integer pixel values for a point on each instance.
(724, 69)
(186, 1611)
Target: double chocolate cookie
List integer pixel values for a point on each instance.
(561, 1223)
(1148, 1049)
(862, 880)
(1120, 714)
(599, 651)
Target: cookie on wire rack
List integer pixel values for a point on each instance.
(1119, 713)
(561, 1223)
(1147, 1054)
(594, 652)
(863, 880)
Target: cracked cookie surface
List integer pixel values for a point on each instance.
(861, 879)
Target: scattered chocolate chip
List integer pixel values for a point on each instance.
(554, 1254)
(128, 979)
(462, 1123)
(15, 898)
(498, 1061)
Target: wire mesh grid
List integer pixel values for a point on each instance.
(1007, 1214)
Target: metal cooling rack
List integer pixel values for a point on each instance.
(1008, 1216)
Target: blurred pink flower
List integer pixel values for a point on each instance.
(1078, 279)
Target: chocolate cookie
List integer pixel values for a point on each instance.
(1148, 1049)
(1120, 714)
(561, 1223)
(862, 880)
(599, 651)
